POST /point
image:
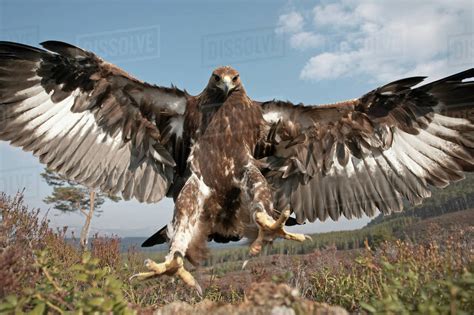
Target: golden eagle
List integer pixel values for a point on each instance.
(234, 166)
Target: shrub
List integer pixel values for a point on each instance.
(42, 273)
(86, 288)
(106, 250)
(22, 232)
(403, 278)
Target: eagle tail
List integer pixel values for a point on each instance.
(159, 237)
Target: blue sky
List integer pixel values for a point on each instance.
(306, 51)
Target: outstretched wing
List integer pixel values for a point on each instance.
(370, 153)
(89, 120)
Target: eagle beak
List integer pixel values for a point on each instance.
(228, 86)
(226, 89)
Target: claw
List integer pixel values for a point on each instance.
(257, 245)
(142, 275)
(269, 229)
(174, 266)
(198, 290)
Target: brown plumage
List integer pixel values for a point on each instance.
(235, 167)
(370, 153)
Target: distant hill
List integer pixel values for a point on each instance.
(456, 197)
(127, 243)
(443, 226)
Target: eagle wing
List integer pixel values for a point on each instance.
(89, 120)
(370, 153)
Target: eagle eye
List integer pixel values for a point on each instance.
(216, 77)
(235, 78)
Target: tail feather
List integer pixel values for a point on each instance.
(159, 237)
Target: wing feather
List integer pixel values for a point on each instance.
(371, 153)
(88, 120)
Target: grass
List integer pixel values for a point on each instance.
(42, 273)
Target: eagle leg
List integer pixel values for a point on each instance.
(181, 232)
(269, 230)
(170, 267)
(258, 197)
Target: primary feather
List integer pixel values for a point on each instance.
(370, 153)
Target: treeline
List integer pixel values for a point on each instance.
(456, 197)
(342, 240)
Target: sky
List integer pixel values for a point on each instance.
(303, 51)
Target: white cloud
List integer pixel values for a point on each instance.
(290, 23)
(327, 65)
(305, 40)
(334, 15)
(385, 40)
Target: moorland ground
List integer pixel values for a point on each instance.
(401, 264)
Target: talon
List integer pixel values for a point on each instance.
(280, 223)
(174, 266)
(142, 275)
(262, 219)
(256, 247)
(245, 264)
(198, 290)
(270, 229)
(147, 262)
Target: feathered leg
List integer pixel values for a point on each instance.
(185, 226)
(259, 198)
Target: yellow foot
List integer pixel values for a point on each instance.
(171, 267)
(269, 229)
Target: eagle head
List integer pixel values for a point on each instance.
(225, 80)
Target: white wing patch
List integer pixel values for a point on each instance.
(75, 146)
(272, 117)
(88, 145)
(51, 120)
(174, 103)
(177, 126)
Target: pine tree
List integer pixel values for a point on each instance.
(68, 196)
